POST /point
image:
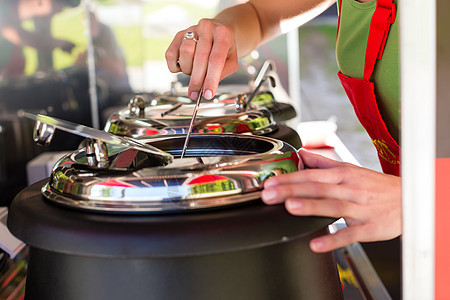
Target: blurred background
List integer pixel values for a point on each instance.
(82, 61)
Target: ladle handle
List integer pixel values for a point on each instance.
(263, 80)
(194, 114)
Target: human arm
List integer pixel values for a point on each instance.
(234, 33)
(369, 201)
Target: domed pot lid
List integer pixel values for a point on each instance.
(165, 115)
(253, 111)
(217, 170)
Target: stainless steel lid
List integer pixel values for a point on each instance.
(164, 117)
(254, 110)
(218, 170)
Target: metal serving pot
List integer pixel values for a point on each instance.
(218, 170)
(168, 117)
(148, 225)
(256, 111)
(250, 251)
(120, 174)
(227, 113)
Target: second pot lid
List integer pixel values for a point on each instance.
(140, 119)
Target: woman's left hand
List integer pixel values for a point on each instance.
(369, 201)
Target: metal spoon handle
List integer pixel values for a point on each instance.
(194, 114)
(174, 108)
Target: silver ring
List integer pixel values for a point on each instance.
(189, 36)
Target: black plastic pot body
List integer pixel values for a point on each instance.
(250, 251)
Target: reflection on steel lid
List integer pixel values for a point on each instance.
(165, 115)
(218, 170)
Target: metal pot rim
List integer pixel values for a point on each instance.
(216, 180)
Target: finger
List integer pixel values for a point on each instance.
(172, 53)
(303, 176)
(187, 51)
(200, 65)
(321, 169)
(317, 161)
(341, 238)
(222, 60)
(332, 208)
(309, 190)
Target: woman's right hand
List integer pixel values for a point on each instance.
(233, 33)
(208, 59)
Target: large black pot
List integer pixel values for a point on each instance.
(251, 251)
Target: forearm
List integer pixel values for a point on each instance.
(233, 33)
(243, 20)
(257, 21)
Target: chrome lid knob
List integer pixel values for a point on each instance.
(97, 153)
(43, 133)
(137, 107)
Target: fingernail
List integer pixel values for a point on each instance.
(193, 96)
(208, 95)
(301, 150)
(269, 183)
(316, 246)
(294, 204)
(269, 195)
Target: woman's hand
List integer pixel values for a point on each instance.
(369, 201)
(208, 58)
(233, 33)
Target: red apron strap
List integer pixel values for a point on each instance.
(339, 18)
(382, 19)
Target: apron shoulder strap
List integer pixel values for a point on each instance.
(382, 19)
(339, 18)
